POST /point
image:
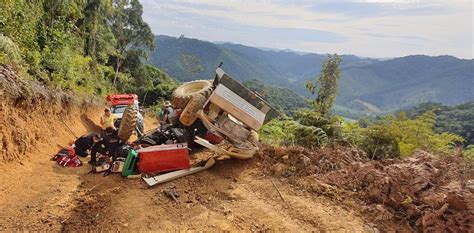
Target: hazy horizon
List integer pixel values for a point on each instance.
(378, 29)
(307, 52)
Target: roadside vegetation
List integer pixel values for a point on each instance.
(458, 119)
(89, 47)
(434, 128)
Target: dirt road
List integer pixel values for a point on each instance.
(233, 195)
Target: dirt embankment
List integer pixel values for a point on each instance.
(422, 192)
(35, 122)
(31, 115)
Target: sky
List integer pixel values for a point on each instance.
(380, 29)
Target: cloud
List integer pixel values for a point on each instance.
(377, 9)
(363, 28)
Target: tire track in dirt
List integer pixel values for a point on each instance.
(299, 210)
(36, 193)
(233, 195)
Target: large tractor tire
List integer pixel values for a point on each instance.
(189, 114)
(128, 123)
(183, 94)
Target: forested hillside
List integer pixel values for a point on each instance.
(387, 85)
(406, 81)
(283, 99)
(457, 119)
(91, 47)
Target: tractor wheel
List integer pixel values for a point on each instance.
(128, 123)
(183, 94)
(189, 114)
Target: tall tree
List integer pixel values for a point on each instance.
(133, 35)
(326, 85)
(99, 39)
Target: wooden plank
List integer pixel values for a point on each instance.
(176, 174)
(230, 102)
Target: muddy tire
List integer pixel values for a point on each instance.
(183, 94)
(128, 123)
(189, 114)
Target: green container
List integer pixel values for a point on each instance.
(130, 162)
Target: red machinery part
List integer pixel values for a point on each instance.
(121, 99)
(213, 138)
(163, 158)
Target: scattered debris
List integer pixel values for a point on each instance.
(177, 174)
(133, 177)
(429, 193)
(171, 193)
(279, 193)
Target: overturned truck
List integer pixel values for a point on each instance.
(220, 114)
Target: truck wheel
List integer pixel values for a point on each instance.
(189, 114)
(183, 94)
(128, 123)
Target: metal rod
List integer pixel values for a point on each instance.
(68, 128)
(279, 193)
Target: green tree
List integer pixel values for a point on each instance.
(134, 39)
(326, 85)
(152, 85)
(398, 136)
(9, 51)
(99, 39)
(85, 46)
(458, 119)
(331, 125)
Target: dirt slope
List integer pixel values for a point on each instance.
(233, 195)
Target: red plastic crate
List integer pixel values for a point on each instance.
(163, 158)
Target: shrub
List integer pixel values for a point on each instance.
(331, 125)
(393, 137)
(285, 131)
(9, 51)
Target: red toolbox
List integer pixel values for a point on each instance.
(163, 158)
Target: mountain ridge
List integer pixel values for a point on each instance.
(387, 84)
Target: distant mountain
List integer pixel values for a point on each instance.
(282, 99)
(406, 81)
(365, 85)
